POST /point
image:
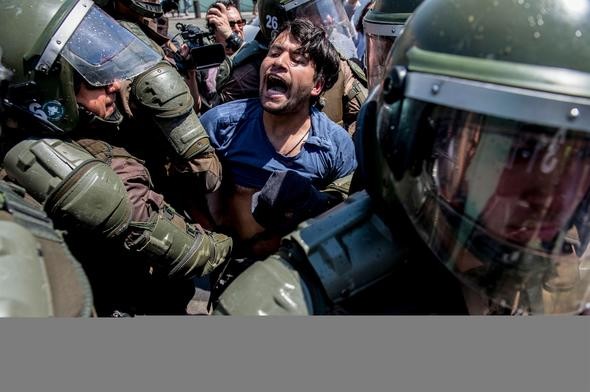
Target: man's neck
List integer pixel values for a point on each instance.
(287, 132)
(284, 125)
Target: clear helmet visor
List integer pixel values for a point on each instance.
(377, 51)
(504, 204)
(103, 51)
(331, 15)
(327, 13)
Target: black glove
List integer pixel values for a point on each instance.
(288, 199)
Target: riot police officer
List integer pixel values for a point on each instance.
(159, 106)
(475, 151)
(40, 277)
(383, 24)
(239, 77)
(138, 252)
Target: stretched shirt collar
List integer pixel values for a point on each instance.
(320, 134)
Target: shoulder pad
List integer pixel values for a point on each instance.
(27, 291)
(357, 71)
(272, 287)
(43, 273)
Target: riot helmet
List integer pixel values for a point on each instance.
(479, 136)
(328, 13)
(52, 44)
(382, 25)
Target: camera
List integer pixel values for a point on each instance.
(193, 36)
(203, 53)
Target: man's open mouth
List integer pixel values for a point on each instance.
(276, 85)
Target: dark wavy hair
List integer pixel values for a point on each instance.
(314, 42)
(226, 3)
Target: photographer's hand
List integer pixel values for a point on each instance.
(185, 51)
(217, 16)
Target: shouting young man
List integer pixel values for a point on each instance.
(279, 145)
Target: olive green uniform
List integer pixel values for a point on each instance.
(158, 103)
(140, 254)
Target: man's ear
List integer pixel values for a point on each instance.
(318, 87)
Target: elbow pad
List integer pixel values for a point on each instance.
(76, 190)
(162, 93)
(186, 250)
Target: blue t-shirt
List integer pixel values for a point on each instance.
(237, 133)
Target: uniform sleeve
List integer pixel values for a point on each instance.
(136, 179)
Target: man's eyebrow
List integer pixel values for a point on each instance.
(277, 46)
(300, 51)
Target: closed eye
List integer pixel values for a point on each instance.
(300, 59)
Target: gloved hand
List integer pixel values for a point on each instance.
(123, 93)
(288, 199)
